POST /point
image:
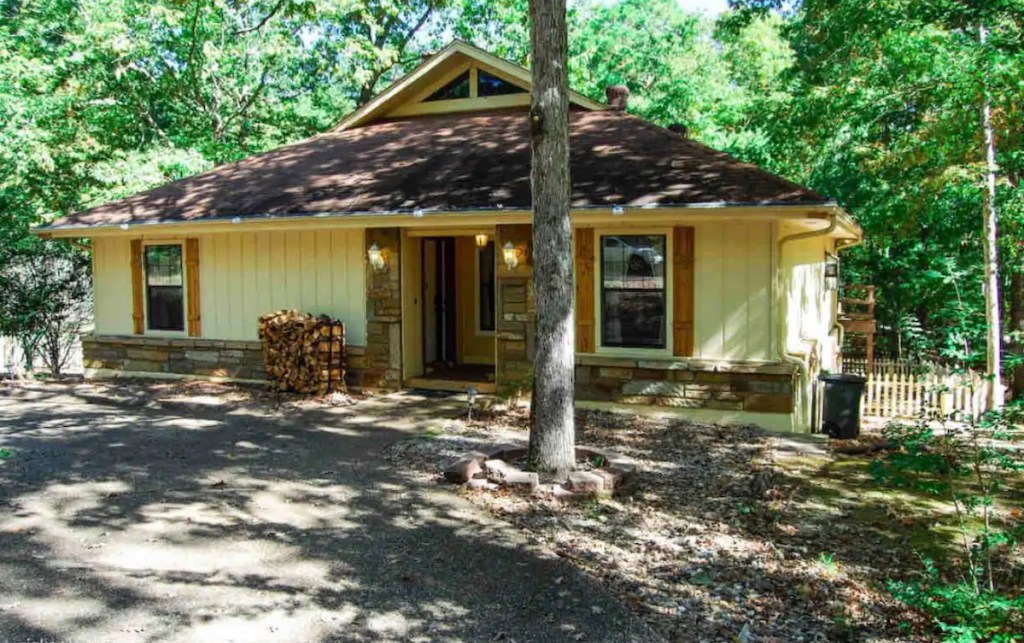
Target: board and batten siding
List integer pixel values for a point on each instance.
(112, 286)
(733, 291)
(810, 306)
(246, 274)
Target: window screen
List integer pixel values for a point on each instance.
(633, 291)
(486, 299)
(164, 288)
(458, 88)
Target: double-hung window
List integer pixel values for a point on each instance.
(633, 292)
(165, 289)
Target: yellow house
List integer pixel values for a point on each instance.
(703, 285)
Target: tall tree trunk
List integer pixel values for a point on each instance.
(552, 430)
(991, 247)
(1017, 328)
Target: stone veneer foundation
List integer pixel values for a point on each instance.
(690, 384)
(185, 357)
(239, 360)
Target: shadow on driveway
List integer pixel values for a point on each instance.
(126, 519)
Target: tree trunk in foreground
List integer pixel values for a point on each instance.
(991, 247)
(552, 430)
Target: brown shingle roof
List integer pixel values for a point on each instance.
(455, 162)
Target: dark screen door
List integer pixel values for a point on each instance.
(439, 295)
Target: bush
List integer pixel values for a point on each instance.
(44, 298)
(974, 595)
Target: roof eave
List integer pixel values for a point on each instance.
(781, 209)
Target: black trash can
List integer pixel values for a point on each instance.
(840, 410)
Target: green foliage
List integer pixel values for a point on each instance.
(961, 614)
(882, 112)
(44, 298)
(974, 595)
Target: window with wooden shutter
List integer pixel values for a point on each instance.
(585, 290)
(165, 286)
(682, 291)
(192, 290)
(138, 314)
(633, 291)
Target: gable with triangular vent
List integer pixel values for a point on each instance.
(459, 78)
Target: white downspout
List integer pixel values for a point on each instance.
(798, 359)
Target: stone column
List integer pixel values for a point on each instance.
(516, 313)
(383, 357)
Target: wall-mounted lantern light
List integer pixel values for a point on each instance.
(376, 257)
(510, 255)
(831, 271)
(481, 240)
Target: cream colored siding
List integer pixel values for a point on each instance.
(244, 275)
(809, 305)
(732, 291)
(112, 286)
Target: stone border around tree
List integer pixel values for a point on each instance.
(491, 470)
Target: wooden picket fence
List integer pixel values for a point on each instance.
(897, 390)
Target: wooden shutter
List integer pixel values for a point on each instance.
(138, 315)
(682, 292)
(585, 290)
(192, 287)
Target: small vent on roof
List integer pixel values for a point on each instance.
(679, 128)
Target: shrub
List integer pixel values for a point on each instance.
(973, 595)
(44, 299)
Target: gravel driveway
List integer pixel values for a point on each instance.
(129, 514)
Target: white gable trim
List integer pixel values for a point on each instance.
(379, 105)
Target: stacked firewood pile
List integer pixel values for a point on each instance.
(303, 353)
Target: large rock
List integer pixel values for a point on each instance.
(465, 468)
(585, 482)
(504, 474)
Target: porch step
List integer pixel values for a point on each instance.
(458, 386)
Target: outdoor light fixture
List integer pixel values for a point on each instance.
(831, 271)
(618, 210)
(510, 254)
(376, 257)
(471, 395)
(481, 240)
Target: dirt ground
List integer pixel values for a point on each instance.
(730, 534)
(169, 512)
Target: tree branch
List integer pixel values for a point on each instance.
(262, 23)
